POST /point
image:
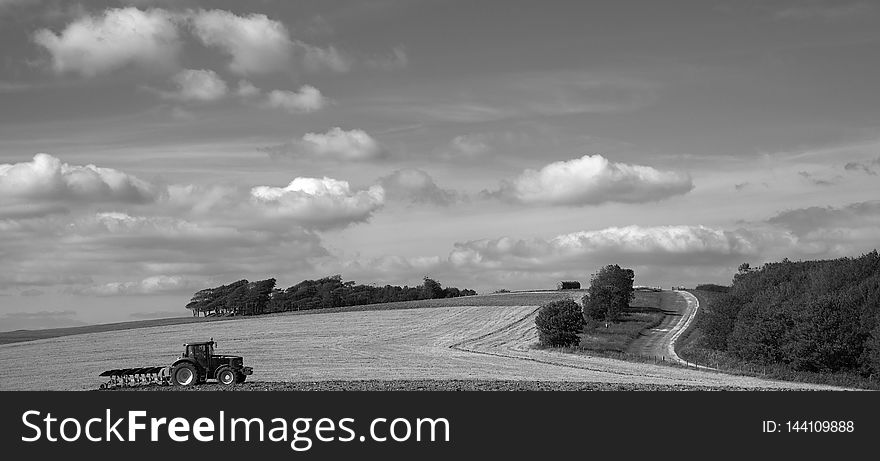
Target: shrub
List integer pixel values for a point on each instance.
(559, 323)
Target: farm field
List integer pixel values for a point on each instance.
(507, 299)
(483, 342)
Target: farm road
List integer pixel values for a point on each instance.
(680, 308)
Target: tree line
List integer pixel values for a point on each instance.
(818, 316)
(261, 297)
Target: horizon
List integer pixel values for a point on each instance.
(150, 149)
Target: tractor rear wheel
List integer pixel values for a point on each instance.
(225, 376)
(184, 374)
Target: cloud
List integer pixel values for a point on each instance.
(520, 95)
(256, 44)
(206, 86)
(341, 144)
(812, 179)
(116, 38)
(397, 59)
(683, 245)
(827, 12)
(96, 243)
(198, 85)
(865, 167)
(142, 254)
(319, 203)
(469, 145)
(159, 284)
(658, 254)
(843, 221)
(20, 279)
(317, 59)
(592, 180)
(416, 186)
(47, 181)
(306, 99)
(247, 89)
(335, 144)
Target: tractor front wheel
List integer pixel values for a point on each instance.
(240, 377)
(184, 374)
(225, 376)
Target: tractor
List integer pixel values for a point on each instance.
(198, 363)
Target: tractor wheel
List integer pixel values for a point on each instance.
(184, 374)
(240, 377)
(225, 376)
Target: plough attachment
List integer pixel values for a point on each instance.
(129, 377)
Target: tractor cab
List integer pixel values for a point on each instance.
(198, 363)
(200, 352)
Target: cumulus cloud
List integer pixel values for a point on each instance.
(47, 181)
(256, 44)
(592, 180)
(416, 186)
(335, 144)
(198, 85)
(341, 144)
(663, 244)
(319, 203)
(306, 99)
(178, 234)
(113, 39)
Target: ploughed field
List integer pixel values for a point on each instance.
(452, 343)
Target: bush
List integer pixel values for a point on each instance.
(559, 323)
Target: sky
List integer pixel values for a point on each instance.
(150, 149)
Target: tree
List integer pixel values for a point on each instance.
(254, 298)
(611, 290)
(433, 289)
(257, 296)
(559, 323)
(718, 323)
(200, 300)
